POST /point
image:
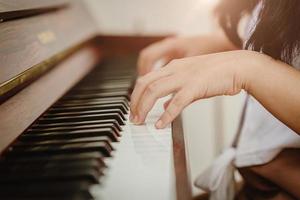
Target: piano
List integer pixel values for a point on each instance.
(64, 99)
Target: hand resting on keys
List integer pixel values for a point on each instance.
(190, 79)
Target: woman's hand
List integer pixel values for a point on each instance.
(179, 47)
(189, 79)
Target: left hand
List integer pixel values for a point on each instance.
(189, 79)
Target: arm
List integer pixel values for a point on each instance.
(275, 84)
(180, 47)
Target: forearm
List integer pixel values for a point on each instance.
(222, 43)
(276, 86)
(214, 42)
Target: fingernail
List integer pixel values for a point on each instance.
(159, 124)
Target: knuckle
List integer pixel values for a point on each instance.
(174, 62)
(140, 82)
(144, 55)
(178, 101)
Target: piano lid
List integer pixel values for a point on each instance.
(32, 44)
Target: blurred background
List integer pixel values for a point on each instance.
(210, 124)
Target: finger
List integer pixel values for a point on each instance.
(177, 104)
(140, 86)
(153, 92)
(151, 55)
(166, 104)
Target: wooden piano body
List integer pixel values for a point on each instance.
(46, 47)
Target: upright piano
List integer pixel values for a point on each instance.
(64, 97)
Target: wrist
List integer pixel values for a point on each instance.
(253, 69)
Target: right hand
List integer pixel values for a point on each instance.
(175, 48)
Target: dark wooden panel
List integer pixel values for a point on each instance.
(181, 163)
(121, 45)
(31, 41)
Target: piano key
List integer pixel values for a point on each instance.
(103, 147)
(77, 123)
(54, 158)
(109, 132)
(63, 141)
(99, 90)
(108, 83)
(105, 116)
(94, 102)
(46, 190)
(102, 87)
(89, 107)
(52, 174)
(39, 130)
(62, 160)
(43, 167)
(95, 96)
(98, 99)
(76, 171)
(81, 113)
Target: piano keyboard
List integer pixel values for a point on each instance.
(83, 147)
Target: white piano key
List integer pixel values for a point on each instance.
(142, 166)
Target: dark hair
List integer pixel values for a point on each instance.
(277, 32)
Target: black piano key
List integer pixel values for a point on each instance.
(54, 158)
(63, 141)
(45, 150)
(95, 96)
(46, 190)
(81, 113)
(39, 163)
(99, 89)
(99, 99)
(94, 101)
(105, 86)
(40, 130)
(108, 83)
(77, 123)
(89, 107)
(43, 167)
(75, 170)
(90, 103)
(59, 174)
(105, 116)
(70, 134)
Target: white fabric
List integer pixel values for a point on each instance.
(262, 138)
(218, 179)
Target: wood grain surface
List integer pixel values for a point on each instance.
(29, 41)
